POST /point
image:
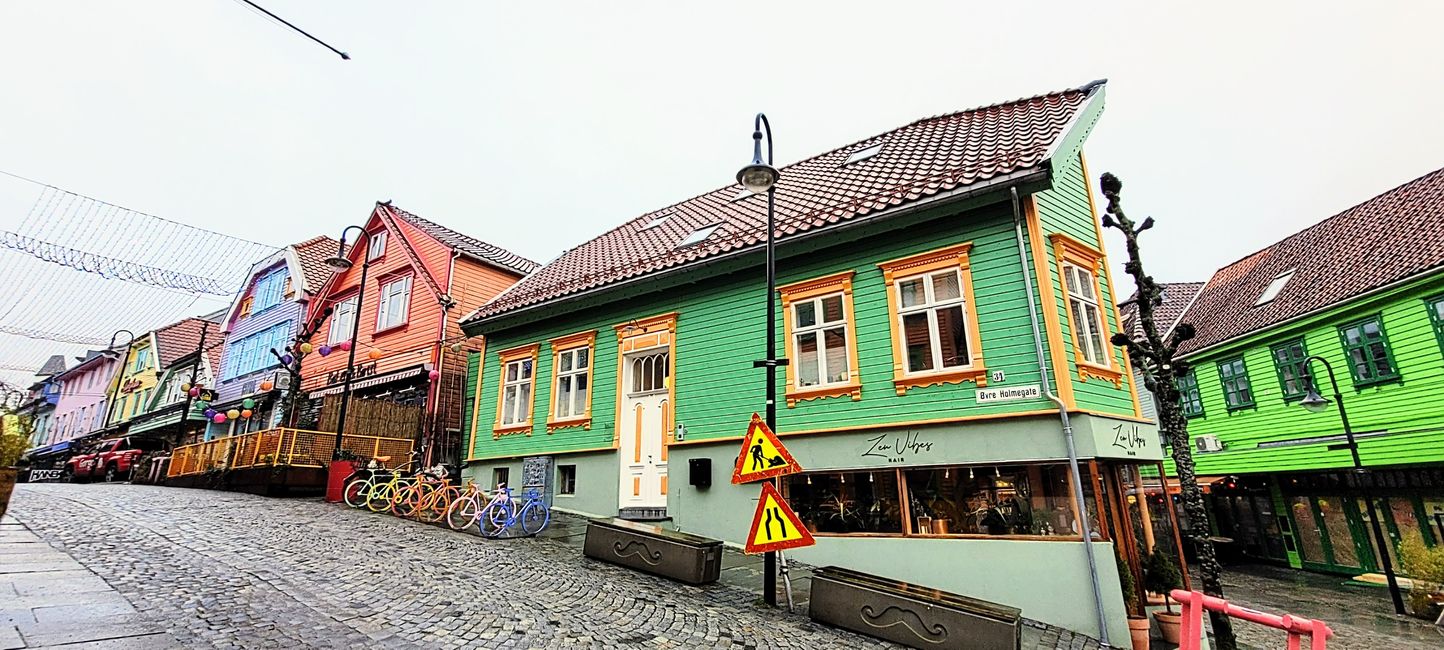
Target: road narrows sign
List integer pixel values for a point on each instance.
(775, 527)
(762, 455)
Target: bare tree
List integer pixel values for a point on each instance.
(1154, 358)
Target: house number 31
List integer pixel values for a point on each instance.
(999, 376)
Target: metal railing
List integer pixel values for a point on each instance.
(285, 447)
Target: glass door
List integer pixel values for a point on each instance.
(1342, 533)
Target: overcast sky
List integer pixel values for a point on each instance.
(537, 125)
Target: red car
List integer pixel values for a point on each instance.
(111, 460)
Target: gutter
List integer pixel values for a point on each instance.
(1041, 173)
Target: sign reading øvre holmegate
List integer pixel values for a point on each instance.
(1009, 393)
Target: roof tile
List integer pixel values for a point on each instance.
(313, 254)
(467, 244)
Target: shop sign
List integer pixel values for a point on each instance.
(360, 372)
(130, 386)
(1009, 393)
(775, 527)
(43, 475)
(1129, 438)
(762, 455)
(898, 448)
(206, 395)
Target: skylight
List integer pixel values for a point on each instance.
(1272, 291)
(863, 154)
(742, 194)
(656, 221)
(698, 235)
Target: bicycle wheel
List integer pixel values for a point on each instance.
(355, 493)
(379, 499)
(492, 521)
(534, 517)
(463, 512)
(434, 507)
(404, 502)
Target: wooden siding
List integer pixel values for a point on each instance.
(1065, 209)
(288, 310)
(1409, 410)
(719, 333)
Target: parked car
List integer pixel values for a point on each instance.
(111, 460)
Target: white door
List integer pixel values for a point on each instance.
(646, 417)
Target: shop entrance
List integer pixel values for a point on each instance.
(646, 418)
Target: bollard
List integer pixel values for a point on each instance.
(1194, 603)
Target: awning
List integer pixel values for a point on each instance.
(1204, 482)
(155, 422)
(56, 448)
(369, 381)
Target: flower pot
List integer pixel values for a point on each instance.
(7, 486)
(1169, 624)
(1138, 629)
(1155, 600)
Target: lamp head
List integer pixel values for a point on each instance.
(759, 176)
(338, 264)
(1314, 402)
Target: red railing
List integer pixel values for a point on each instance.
(1191, 632)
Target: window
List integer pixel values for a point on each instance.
(1078, 263)
(934, 326)
(1236, 392)
(572, 384)
(1289, 361)
(395, 299)
(817, 324)
(377, 246)
(1188, 395)
(268, 291)
(656, 221)
(1275, 286)
(253, 352)
(500, 476)
(863, 154)
(343, 319)
(518, 377)
(1368, 352)
(566, 479)
(1436, 316)
(699, 235)
(142, 357)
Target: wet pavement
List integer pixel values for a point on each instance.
(1361, 616)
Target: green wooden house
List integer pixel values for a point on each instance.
(620, 376)
(1364, 290)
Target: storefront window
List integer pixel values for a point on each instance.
(847, 502)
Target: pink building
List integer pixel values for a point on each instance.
(81, 408)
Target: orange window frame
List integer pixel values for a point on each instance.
(520, 353)
(922, 264)
(568, 343)
(1068, 250)
(791, 294)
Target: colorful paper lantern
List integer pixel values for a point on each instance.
(210, 413)
(287, 359)
(324, 350)
(344, 346)
(306, 348)
(186, 387)
(374, 354)
(434, 375)
(456, 347)
(248, 403)
(219, 418)
(267, 385)
(194, 391)
(246, 413)
(233, 414)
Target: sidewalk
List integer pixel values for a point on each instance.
(49, 600)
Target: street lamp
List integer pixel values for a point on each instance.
(759, 177)
(339, 265)
(115, 390)
(1317, 403)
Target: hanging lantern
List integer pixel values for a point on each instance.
(434, 375)
(374, 354)
(194, 391)
(324, 350)
(233, 414)
(287, 359)
(248, 403)
(306, 348)
(210, 413)
(344, 346)
(246, 413)
(219, 418)
(186, 387)
(456, 347)
(267, 385)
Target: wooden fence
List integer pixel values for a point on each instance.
(284, 447)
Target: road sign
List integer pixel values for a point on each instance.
(762, 455)
(775, 527)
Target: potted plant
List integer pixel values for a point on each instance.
(12, 445)
(1137, 625)
(1161, 576)
(1425, 568)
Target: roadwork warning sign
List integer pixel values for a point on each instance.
(775, 527)
(762, 455)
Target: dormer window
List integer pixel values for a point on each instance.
(377, 246)
(1272, 291)
(699, 235)
(656, 221)
(863, 154)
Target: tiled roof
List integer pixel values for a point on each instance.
(1393, 236)
(921, 159)
(467, 244)
(1177, 296)
(179, 339)
(54, 365)
(313, 253)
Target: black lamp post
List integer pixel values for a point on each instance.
(1317, 403)
(759, 177)
(115, 390)
(339, 265)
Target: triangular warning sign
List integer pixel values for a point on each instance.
(762, 455)
(775, 527)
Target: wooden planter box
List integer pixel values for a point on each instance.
(651, 549)
(914, 616)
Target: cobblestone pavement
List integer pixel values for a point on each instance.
(233, 570)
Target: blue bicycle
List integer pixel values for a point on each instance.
(503, 512)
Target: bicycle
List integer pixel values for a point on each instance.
(418, 499)
(381, 495)
(464, 509)
(359, 484)
(502, 513)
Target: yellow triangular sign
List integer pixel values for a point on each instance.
(762, 455)
(775, 527)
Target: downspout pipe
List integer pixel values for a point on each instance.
(1084, 527)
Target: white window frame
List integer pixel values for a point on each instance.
(819, 328)
(931, 306)
(387, 315)
(1087, 337)
(574, 412)
(521, 408)
(376, 245)
(342, 332)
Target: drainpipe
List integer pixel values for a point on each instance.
(1083, 525)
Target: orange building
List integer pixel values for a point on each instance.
(409, 372)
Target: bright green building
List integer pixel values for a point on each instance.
(620, 377)
(1364, 290)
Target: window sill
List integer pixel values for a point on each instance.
(570, 423)
(978, 376)
(1089, 370)
(1360, 385)
(393, 328)
(511, 429)
(1242, 407)
(852, 388)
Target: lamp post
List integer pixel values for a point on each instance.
(115, 390)
(758, 177)
(1317, 403)
(339, 265)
